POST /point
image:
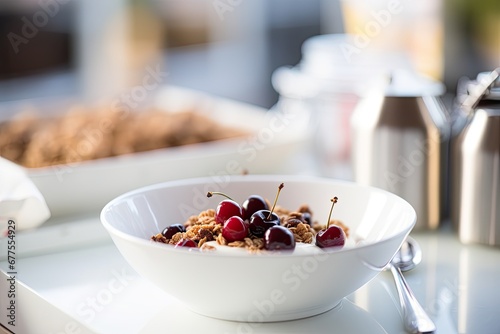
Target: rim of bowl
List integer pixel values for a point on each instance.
(247, 178)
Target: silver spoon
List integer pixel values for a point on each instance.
(415, 318)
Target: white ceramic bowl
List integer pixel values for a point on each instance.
(259, 287)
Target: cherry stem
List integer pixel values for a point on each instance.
(275, 200)
(211, 193)
(333, 200)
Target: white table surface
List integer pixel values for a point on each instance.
(72, 279)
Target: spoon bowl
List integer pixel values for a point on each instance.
(415, 318)
(408, 256)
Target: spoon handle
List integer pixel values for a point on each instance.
(415, 318)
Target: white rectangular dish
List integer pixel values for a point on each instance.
(274, 138)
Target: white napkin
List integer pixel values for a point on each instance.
(20, 200)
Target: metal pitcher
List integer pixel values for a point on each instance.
(400, 143)
(475, 158)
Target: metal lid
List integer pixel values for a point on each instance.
(403, 83)
(485, 87)
(493, 90)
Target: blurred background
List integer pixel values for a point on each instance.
(230, 48)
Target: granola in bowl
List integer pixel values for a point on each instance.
(206, 232)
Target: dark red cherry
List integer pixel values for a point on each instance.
(235, 229)
(169, 231)
(261, 221)
(333, 236)
(279, 238)
(253, 204)
(306, 218)
(186, 243)
(227, 209)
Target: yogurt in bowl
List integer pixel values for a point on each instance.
(234, 284)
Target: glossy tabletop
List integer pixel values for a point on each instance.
(75, 272)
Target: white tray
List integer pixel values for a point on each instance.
(87, 287)
(88, 186)
(71, 279)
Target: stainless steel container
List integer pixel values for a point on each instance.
(400, 143)
(475, 183)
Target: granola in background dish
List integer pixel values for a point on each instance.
(86, 134)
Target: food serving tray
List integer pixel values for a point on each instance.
(272, 138)
(72, 271)
(70, 278)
